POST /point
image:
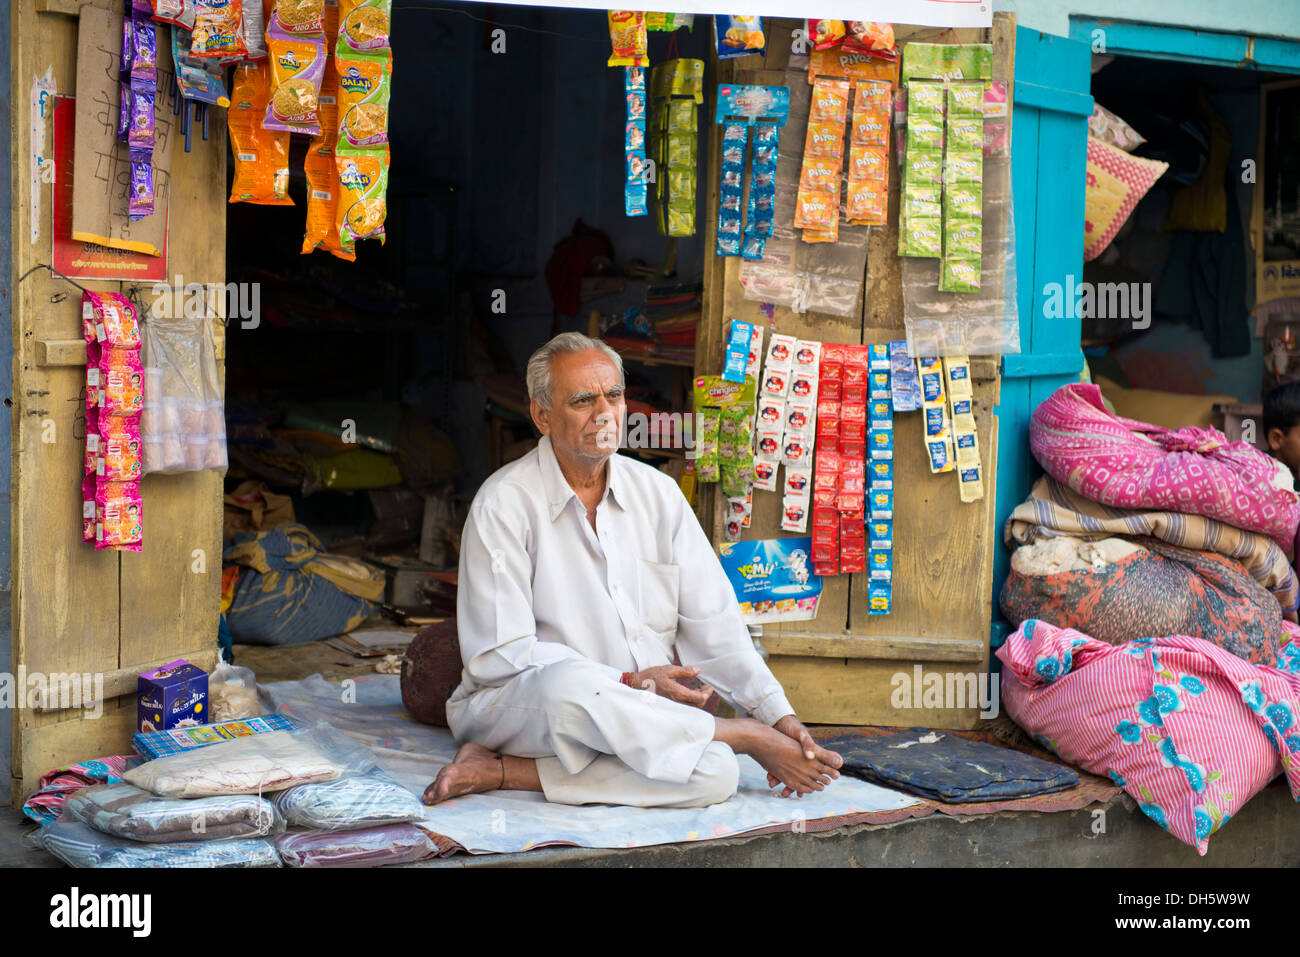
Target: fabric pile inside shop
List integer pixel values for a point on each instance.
(1151, 575)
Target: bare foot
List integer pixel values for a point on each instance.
(782, 757)
(474, 770)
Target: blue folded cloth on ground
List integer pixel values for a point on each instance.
(947, 767)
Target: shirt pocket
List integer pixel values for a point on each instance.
(659, 590)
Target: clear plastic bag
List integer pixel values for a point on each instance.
(77, 845)
(232, 693)
(123, 810)
(364, 796)
(184, 423)
(252, 765)
(372, 847)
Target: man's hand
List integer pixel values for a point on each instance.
(793, 728)
(663, 681)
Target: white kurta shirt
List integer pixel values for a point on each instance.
(537, 584)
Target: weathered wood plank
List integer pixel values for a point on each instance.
(902, 648)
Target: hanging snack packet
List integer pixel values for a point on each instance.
(119, 516)
(119, 448)
(112, 318)
(252, 26)
(323, 177)
(261, 156)
(627, 37)
(121, 381)
(177, 12)
(362, 208)
(218, 29)
(195, 80)
(140, 201)
(297, 66)
(364, 87)
(738, 35)
(363, 26)
(870, 37)
(297, 19)
(144, 54)
(824, 34)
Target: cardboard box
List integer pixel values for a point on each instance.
(173, 696)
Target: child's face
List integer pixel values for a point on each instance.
(1285, 446)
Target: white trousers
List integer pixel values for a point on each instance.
(597, 741)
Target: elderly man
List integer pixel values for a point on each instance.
(581, 573)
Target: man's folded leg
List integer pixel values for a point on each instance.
(607, 780)
(574, 712)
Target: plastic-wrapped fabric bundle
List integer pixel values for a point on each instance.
(372, 847)
(1129, 464)
(123, 810)
(251, 765)
(351, 802)
(80, 846)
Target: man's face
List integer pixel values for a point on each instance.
(587, 409)
(1285, 444)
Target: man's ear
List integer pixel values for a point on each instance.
(542, 417)
(1275, 438)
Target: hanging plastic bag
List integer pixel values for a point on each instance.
(184, 424)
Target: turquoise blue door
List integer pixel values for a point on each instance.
(1049, 144)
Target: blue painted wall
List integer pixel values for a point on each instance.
(1278, 18)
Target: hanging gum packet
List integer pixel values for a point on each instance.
(261, 156)
(363, 91)
(362, 205)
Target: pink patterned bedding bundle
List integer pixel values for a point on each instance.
(1129, 464)
(1189, 730)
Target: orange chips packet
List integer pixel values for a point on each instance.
(261, 156)
(322, 175)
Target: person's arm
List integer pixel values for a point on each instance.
(711, 634)
(494, 601)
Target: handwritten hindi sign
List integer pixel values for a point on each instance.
(103, 165)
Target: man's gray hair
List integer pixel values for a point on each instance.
(538, 374)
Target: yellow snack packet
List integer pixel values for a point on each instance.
(364, 89)
(261, 156)
(363, 26)
(362, 204)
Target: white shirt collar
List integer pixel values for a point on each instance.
(556, 486)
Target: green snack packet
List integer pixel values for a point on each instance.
(960, 274)
(924, 133)
(923, 168)
(964, 199)
(681, 182)
(923, 238)
(727, 428)
(707, 467)
(712, 393)
(681, 116)
(681, 149)
(925, 97)
(963, 238)
(966, 134)
(922, 202)
(963, 166)
(681, 221)
(733, 483)
(966, 100)
(952, 61)
(710, 425)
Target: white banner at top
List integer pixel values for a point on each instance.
(926, 13)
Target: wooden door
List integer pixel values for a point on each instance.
(76, 610)
(839, 667)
